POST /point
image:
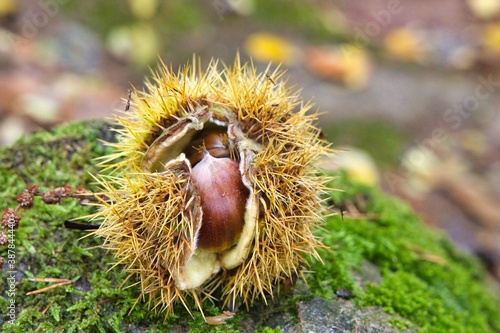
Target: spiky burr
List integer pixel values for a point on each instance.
(213, 187)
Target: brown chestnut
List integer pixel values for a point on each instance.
(223, 198)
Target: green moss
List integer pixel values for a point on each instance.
(423, 277)
(96, 302)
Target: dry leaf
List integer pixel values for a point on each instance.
(349, 64)
(220, 319)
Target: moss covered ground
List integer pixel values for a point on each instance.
(423, 278)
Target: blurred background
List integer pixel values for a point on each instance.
(409, 90)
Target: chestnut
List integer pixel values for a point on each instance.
(214, 186)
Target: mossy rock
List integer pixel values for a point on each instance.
(403, 276)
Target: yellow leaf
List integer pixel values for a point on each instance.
(266, 47)
(491, 37)
(358, 66)
(358, 165)
(7, 7)
(405, 44)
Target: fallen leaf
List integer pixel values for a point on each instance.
(220, 319)
(405, 44)
(348, 64)
(491, 37)
(358, 165)
(267, 47)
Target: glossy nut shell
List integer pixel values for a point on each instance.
(223, 198)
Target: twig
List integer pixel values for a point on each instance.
(39, 291)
